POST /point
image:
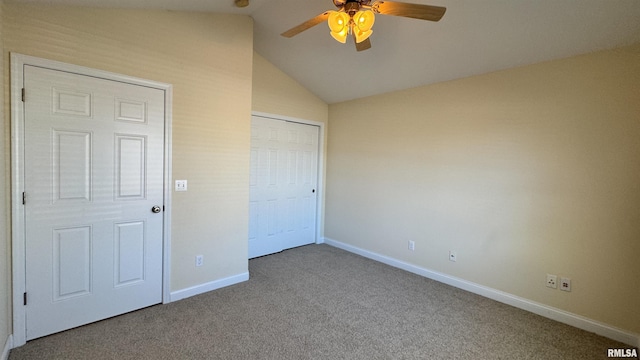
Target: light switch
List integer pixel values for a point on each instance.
(181, 185)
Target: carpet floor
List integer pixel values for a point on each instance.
(319, 302)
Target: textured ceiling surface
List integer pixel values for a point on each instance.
(473, 37)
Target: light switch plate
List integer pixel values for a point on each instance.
(181, 185)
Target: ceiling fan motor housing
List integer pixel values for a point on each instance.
(241, 3)
(341, 3)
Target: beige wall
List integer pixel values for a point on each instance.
(5, 254)
(274, 92)
(208, 59)
(522, 172)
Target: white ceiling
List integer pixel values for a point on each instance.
(474, 37)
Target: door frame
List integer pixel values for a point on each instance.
(18, 221)
(320, 185)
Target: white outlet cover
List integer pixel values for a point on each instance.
(181, 185)
(565, 284)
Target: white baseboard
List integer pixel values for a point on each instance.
(8, 345)
(562, 316)
(206, 287)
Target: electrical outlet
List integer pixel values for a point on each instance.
(412, 245)
(199, 260)
(565, 284)
(552, 281)
(453, 256)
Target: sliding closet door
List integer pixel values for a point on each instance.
(283, 185)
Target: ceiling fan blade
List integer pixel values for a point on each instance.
(306, 25)
(416, 11)
(364, 45)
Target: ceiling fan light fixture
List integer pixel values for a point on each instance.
(339, 24)
(341, 36)
(361, 35)
(364, 20)
(362, 24)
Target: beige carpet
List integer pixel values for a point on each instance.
(319, 302)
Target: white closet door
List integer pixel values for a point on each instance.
(94, 163)
(283, 185)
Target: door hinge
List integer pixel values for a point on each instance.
(23, 94)
(24, 198)
(24, 297)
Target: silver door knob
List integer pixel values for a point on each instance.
(155, 209)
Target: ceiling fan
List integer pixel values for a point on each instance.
(356, 17)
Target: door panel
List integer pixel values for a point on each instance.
(94, 158)
(71, 165)
(129, 253)
(71, 262)
(130, 171)
(283, 180)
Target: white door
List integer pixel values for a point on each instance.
(93, 171)
(283, 185)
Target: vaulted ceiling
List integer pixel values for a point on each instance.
(473, 37)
